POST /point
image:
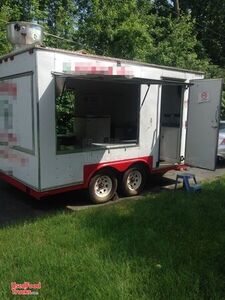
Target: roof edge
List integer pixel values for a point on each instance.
(79, 53)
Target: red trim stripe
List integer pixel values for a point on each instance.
(89, 170)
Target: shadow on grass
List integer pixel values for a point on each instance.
(181, 238)
(16, 206)
(168, 245)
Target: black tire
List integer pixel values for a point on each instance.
(102, 186)
(133, 181)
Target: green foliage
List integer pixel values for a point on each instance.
(58, 17)
(222, 108)
(4, 15)
(65, 112)
(176, 43)
(115, 28)
(61, 20)
(135, 31)
(210, 26)
(142, 30)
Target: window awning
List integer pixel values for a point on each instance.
(120, 79)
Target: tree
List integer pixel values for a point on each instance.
(210, 26)
(143, 30)
(177, 7)
(176, 44)
(58, 17)
(4, 17)
(139, 30)
(114, 28)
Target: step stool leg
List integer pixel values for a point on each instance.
(176, 183)
(186, 183)
(195, 181)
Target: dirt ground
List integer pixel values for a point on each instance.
(15, 206)
(201, 174)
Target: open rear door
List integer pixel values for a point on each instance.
(203, 123)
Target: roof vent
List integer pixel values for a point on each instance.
(21, 34)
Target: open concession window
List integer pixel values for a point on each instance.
(92, 113)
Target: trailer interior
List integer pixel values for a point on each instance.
(171, 123)
(93, 114)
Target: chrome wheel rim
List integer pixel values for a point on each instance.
(134, 180)
(103, 186)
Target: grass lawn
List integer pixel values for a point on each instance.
(162, 247)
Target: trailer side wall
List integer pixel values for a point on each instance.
(18, 119)
(59, 170)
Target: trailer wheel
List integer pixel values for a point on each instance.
(133, 181)
(102, 187)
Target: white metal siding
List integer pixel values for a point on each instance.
(66, 169)
(21, 160)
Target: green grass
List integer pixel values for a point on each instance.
(162, 247)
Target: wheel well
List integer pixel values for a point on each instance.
(111, 169)
(119, 173)
(140, 164)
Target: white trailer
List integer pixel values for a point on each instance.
(70, 120)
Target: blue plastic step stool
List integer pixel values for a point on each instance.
(186, 184)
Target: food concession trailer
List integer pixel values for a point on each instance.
(71, 120)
